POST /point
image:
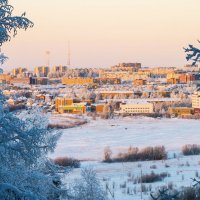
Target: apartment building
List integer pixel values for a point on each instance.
(59, 68)
(123, 75)
(112, 94)
(110, 81)
(19, 71)
(136, 108)
(162, 70)
(38, 80)
(42, 71)
(127, 67)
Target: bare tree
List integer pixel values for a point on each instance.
(107, 154)
(88, 187)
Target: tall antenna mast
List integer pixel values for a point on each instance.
(69, 55)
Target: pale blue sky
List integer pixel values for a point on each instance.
(105, 32)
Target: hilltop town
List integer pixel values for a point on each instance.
(123, 89)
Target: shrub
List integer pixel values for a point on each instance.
(186, 193)
(191, 149)
(67, 162)
(190, 193)
(148, 153)
(151, 178)
(163, 194)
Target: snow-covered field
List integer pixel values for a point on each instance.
(88, 142)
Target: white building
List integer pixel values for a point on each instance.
(196, 99)
(136, 108)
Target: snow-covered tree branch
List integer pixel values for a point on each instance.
(9, 24)
(25, 170)
(193, 54)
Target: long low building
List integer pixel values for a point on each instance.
(87, 81)
(148, 100)
(77, 81)
(4, 78)
(136, 108)
(114, 93)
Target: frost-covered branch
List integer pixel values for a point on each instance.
(7, 189)
(25, 143)
(193, 54)
(3, 58)
(9, 24)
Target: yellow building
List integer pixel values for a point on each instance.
(66, 105)
(4, 78)
(61, 101)
(42, 71)
(20, 81)
(75, 108)
(173, 75)
(77, 81)
(181, 111)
